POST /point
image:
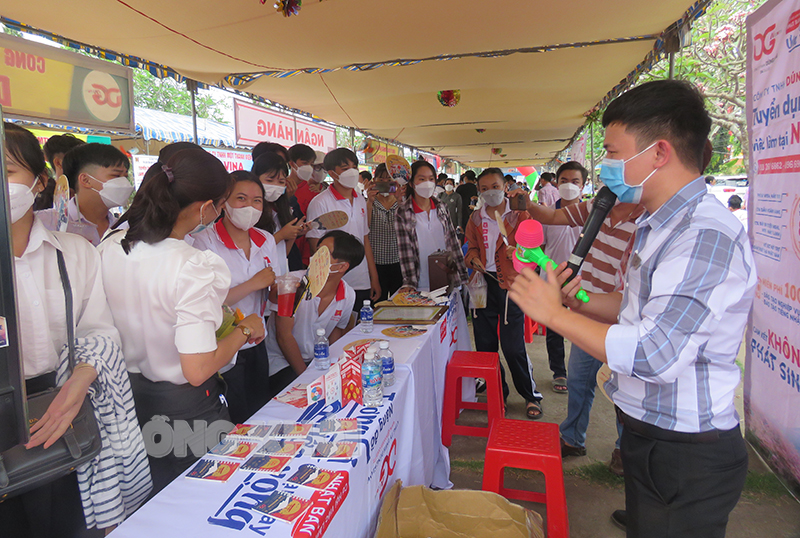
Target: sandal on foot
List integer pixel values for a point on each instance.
(534, 410)
(560, 385)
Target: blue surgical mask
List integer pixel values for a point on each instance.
(612, 173)
(200, 227)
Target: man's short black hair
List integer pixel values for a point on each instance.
(264, 147)
(441, 178)
(469, 175)
(301, 152)
(103, 155)
(710, 180)
(509, 178)
(672, 110)
(735, 202)
(60, 144)
(345, 248)
(490, 172)
(549, 177)
(573, 165)
(339, 157)
(365, 175)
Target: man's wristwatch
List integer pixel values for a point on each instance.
(245, 330)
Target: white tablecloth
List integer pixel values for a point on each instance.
(399, 440)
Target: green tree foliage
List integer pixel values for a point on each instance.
(715, 61)
(168, 95)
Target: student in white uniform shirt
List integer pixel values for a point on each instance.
(290, 340)
(252, 258)
(277, 217)
(342, 166)
(423, 227)
(55, 509)
(166, 297)
(98, 173)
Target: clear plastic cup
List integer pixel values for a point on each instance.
(287, 287)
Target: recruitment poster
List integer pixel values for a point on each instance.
(772, 381)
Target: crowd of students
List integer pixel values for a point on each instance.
(150, 285)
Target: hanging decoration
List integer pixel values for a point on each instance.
(504, 155)
(481, 130)
(496, 151)
(287, 7)
(449, 98)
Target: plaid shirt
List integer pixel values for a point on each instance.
(408, 245)
(689, 286)
(382, 236)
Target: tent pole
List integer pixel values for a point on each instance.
(191, 85)
(671, 65)
(591, 152)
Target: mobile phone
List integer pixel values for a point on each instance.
(517, 203)
(385, 186)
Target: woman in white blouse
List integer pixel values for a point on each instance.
(252, 257)
(166, 298)
(58, 508)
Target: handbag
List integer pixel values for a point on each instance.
(21, 469)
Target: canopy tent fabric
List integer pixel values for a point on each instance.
(528, 70)
(168, 127)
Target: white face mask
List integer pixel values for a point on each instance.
(273, 192)
(318, 176)
(305, 172)
(492, 197)
(200, 227)
(349, 178)
(569, 191)
(114, 192)
(243, 218)
(449, 188)
(425, 189)
(21, 199)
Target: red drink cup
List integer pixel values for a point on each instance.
(287, 286)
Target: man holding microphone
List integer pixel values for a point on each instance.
(672, 335)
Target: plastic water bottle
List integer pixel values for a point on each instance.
(387, 361)
(371, 376)
(322, 354)
(366, 317)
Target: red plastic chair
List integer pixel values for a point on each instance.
(522, 444)
(471, 364)
(531, 328)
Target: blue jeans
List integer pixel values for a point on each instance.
(581, 383)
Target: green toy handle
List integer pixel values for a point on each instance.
(535, 255)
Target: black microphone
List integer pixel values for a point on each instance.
(603, 203)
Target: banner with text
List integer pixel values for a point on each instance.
(43, 83)
(256, 124)
(772, 373)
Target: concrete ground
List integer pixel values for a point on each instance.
(590, 502)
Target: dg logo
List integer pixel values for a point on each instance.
(102, 96)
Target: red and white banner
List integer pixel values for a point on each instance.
(232, 159)
(256, 124)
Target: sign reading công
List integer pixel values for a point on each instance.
(44, 83)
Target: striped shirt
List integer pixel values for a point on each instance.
(600, 270)
(689, 287)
